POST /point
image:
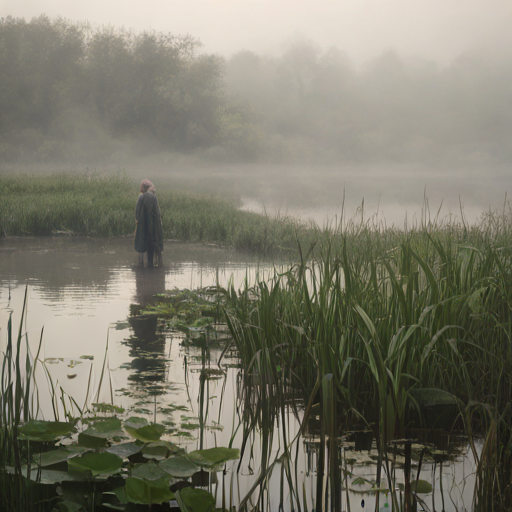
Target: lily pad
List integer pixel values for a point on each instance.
(155, 451)
(149, 471)
(147, 492)
(108, 425)
(195, 500)
(54, 457)
(104, 429)
(45, 476)
(213, 457)
(91, 440)
(36, 430)
(432, 397)
(142, 430)
(97, 463)
(125, 450)
(179, 467)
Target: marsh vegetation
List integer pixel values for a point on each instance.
(371, 334)
(95, 204)
(363, 354)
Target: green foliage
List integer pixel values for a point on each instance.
(146, 492)
(382, 326)
(67, 88)
(99, 472)
(195, 500)
(213, 457)
(85, 205)
(98, 464)
(37, 430)
(140, 429)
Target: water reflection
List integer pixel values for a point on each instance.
(147, 364)
(148, 283)
(82, 289)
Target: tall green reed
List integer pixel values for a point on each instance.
(379, 315)
(18, 404)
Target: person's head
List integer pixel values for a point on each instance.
(146, 186)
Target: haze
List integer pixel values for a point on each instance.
(436, 29)
(323, 103)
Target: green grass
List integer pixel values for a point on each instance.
(376, 315)
(104, 205)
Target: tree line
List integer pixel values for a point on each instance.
(67, 84)
(70, 90)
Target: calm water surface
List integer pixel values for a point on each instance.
(80, 291)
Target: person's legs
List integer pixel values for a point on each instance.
(151, 252)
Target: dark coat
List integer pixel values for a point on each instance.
(148, 232)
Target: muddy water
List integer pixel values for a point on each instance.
(80, 291)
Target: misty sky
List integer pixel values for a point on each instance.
(435, 29)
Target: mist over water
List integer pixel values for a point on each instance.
(304, 132)
(399, 195)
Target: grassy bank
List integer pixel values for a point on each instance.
(104, 205)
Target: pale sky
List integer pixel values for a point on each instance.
(435, 29)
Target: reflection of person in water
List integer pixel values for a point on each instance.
(147, 352)
(147, 363)
(148, 284)
(148, 232)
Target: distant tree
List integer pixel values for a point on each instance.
(150, 86)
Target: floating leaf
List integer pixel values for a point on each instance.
(213, 457)
(104, 429)
(179, 467)
(142, 430)
(183, 433)
(120, 493)
(440, 455)
(195, 500)
(125, 450)
(108, 425)
(91, 441)
(36, 430)
(432, 396)
(155, 451)
(54, 457)
(135, 422)
(146, 492)
(149, 471)
(45, 476)
(97, 463)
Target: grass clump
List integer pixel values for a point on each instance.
(93, 204)
(375, 316)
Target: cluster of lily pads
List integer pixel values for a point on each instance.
(117, 465)
(196, 313)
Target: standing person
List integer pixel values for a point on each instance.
(148, 232)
